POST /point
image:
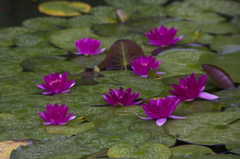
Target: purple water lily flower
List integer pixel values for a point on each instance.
(121, 97)
(55, 115)
(161, 109)
(56, 83)
(142, 64)
(163, 36)
(190, 88)
(88, 46)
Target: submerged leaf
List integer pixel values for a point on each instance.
(120, 54)
(219, 76)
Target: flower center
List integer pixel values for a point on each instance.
(54, 82)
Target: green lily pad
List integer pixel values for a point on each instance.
(190, 12)
(189, 108)
(56, 148)
(130, 111)
(89, 61)
(45, 23)
(157, 134)
(117, 125)
(179, 61)
(214, 156)
(65, 38)
(9, 69)
(57, 66)
(124, 3)
(87, 20)
(229, 63)
(11, 32)
(229, 94)
(207, 128)
(6, 135)
(220, 42)
(234, 148)
(69, 130)
(185, 150)
(143, 151)
(17, 55)
(64, 8)
(28, 40)
(219, 6)
(94, 139)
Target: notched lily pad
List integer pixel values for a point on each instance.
(64, 8)
(207, 128)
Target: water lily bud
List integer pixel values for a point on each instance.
(197, 34)
(152, 73)
(96, 68)
(122, 16)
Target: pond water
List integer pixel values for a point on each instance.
(110, 123)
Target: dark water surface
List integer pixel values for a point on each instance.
(13, 12)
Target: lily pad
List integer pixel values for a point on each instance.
(190, 12)
(220, 43)
(29, 40)
(219, 6)
(56, 148)
(207, 128)
(117, 125)
(57, 66)
(143, 151)
(229, 63)
(45, 23)
(65, 38)
(179, 61)
(157, 134)
(185, 150)
(64, 8)
(9, 69)
(124, 3)
(234, 148)
(8, 34)
(87, 20)
(27, 52)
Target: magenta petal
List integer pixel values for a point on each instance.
(146, 118)
(206, 95)
(177, 117)
(161, 121)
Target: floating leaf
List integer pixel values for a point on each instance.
(120, 54)
(143, 151)
(207, 128)
(124, 3)
(219, 76)
(185, 150)
(64, 8)
(45, 23)
(8, 146)
(229, 62)
(58, 148)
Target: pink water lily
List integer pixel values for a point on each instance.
(189, 88)
(120, 97)
(163, 36)
(56, 83)
(55, 115)
(88, 46)
(161, 109)
(142, 64)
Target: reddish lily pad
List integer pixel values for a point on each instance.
(120, 54)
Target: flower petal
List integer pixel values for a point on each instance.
(161, 121)
(206, 95)
(177, 117)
